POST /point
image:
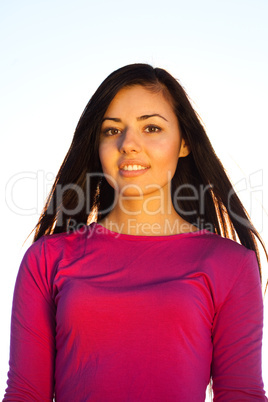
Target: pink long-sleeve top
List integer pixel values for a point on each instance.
(104, 317)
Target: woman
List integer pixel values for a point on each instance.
(132, 290)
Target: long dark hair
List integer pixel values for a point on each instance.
(80, 190)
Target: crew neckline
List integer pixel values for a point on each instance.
(99, 229)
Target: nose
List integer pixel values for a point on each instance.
(130, 142)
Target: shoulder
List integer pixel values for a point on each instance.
(45, 254)
(209, 248)
(229, 255)
(223, 249)
(229, 263)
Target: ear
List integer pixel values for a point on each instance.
(184, 149)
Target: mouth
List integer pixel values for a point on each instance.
(132, 169)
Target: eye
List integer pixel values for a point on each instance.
(110, 131)
(152, 129)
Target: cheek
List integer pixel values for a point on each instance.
(167, 153)
(107, 165)
(104, 156)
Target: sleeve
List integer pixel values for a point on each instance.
(32, 344)
(237, 339)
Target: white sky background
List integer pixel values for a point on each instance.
(54, 54)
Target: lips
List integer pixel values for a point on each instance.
(131, 168)
(133, 165)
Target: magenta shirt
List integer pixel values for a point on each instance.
(104, 317)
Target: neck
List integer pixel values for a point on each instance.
(146, 215)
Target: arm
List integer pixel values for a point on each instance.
(32, 348)
(237, 339)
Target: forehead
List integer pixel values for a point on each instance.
(139, 98)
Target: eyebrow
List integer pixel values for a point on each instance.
(140, 118)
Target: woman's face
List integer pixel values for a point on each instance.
(140, 141)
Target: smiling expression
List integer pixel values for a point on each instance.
(140, 141)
